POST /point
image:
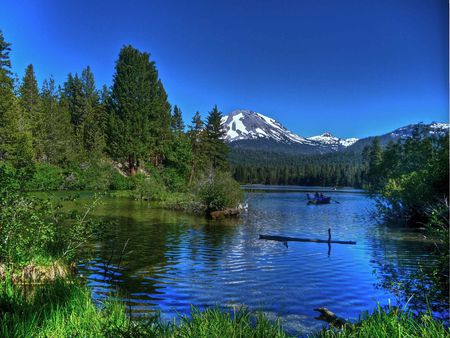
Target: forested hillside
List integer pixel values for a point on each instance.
(268, 167)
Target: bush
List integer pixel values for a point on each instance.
(46, 177)
(219, 191)
(32, 227)
(149, 188)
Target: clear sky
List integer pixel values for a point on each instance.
(355, 68)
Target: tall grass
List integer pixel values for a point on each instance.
(391, 322)
(64, 308)
(58, 309)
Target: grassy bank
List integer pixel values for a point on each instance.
(386, 323)
(64, 308)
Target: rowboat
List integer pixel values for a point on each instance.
(318, 200)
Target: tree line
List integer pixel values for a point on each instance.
(265, 167)
(80, 127)
(411, 177)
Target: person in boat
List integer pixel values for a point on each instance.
(316, 196)
(321, 196)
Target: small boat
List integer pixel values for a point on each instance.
(320, 200)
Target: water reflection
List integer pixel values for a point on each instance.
(174, 260)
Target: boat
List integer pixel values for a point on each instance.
(320, 200)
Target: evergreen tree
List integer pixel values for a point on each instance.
(59, 138)
(75, 100)
(15, 142)
(133, 115)
(374, 161)
(197, 136)
(161, 126)
(216, 148)
(92, 124)
(31, 105)
(8, 108)
(176, 123)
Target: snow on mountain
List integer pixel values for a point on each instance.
(247, 125)
(433, 129)
(333, 141)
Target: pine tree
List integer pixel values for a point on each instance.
(197, 135)
(15, 142)
(161, 125)
(59, 137)
(176, 123)
(92, 128)
(8, 107)
(216, 148)
(31, 104)
(374, 161)
(75, 100)
(134, 108)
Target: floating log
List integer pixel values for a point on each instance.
(295, 239)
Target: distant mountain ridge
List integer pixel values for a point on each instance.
(246, 129)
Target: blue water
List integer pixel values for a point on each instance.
(165, 261)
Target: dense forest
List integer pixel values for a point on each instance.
(265, 167)
(79, 136)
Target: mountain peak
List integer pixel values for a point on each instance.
(244, 124)
(327, 134)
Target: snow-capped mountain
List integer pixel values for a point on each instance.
(433, 129)
(333, 141)
(246, 129)
(248, 125)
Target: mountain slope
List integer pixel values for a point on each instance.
(251, 130)
(435, 129)
(248, 130)
(248, 125)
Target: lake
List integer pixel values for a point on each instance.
(161, 260)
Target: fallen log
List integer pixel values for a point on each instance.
(329, 317)
(219, 214)
(295, 239)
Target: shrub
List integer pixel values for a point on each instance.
(150, 188)
(46, 177)
(219, 191)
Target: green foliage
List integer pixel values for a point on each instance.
(47, 177)
(149, 187)
(34, 227)
(135, 107)
(271, 167)
(410, 176)
(58, 138)
(176, 122)
(218, 191)
(391, 322)
(216, 148)
(65, 309)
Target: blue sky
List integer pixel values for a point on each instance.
(355, 68)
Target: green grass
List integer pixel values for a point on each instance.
(390, 323)
(64, 308)
(58, 309)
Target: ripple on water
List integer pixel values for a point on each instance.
(179, 260)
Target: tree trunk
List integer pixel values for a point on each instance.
(131, 165)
